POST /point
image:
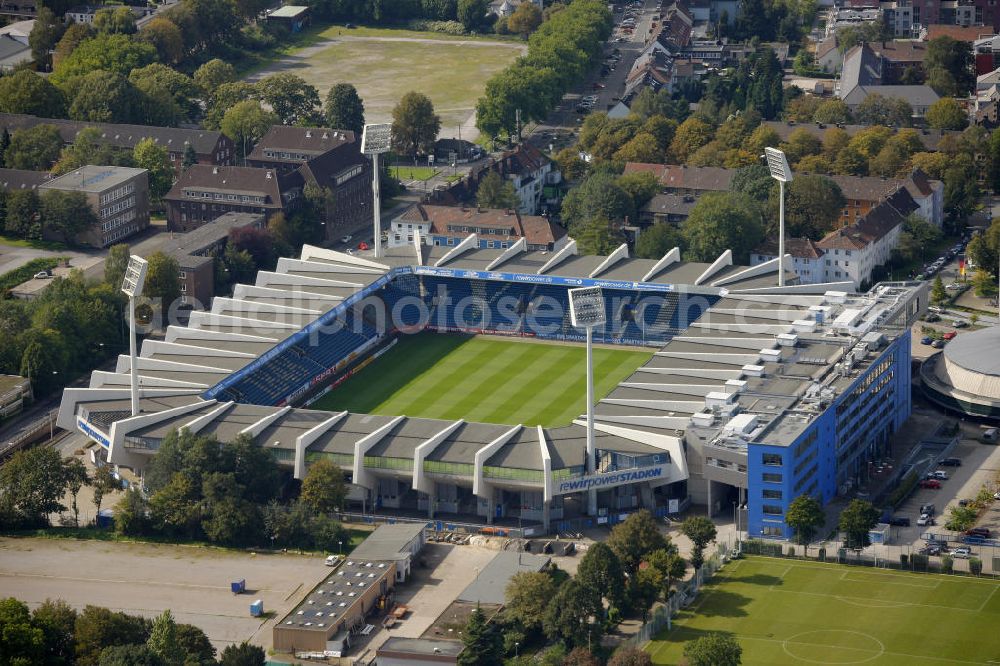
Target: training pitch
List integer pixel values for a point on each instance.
(793, 612)
(482, 379)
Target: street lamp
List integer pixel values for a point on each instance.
(586, 310)
(375, 140)
(135, 278)
(777, 163)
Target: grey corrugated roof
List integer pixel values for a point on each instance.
(490, 584)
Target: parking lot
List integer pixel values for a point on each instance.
(146, 579)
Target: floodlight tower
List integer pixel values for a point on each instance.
(375, 140)
(135, 278)
(586, 310)
(780, 171)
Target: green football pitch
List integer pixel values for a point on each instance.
(796, 612)
(489, 380)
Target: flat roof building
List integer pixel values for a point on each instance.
(399, 651)
(397, 543)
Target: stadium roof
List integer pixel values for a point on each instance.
(768, 351)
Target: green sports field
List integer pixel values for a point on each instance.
(489, 380)
(794, 612)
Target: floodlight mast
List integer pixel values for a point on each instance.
(135, 279)
(375, 140)
(777, 163)
(586, 310)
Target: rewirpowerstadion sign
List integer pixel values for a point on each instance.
(93, 433)
(609, 479)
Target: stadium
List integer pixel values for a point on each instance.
(963, 377)
(745, 392)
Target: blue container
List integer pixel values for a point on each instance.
(238, 586)
(257, 608)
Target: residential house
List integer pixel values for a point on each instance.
(681, 179)
(20, 179)
(948, 12)
(534, 177)
(930, 138)
(504, 8)
(898, 56)
(196, 252)
(13, 53)
(828, 55)
(986, 51)
(494, 228)
(864, 193)
(855, 251)
(119, 197)
(960, 33)
(209, 147)
(19, 9)
(19, 30)
(670, 209)
(326, 158)
(866, 72)
(806, 258)
(203, 193)
(86, 13)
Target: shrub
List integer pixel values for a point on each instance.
(903, 490)
(822, 555)
(947, 564)
(903, 559)
(919, 562)
(975, 566)
(11, 279)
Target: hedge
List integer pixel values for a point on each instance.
(11, 279)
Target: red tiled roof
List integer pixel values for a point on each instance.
(800, 248)
(709, 179)
(961, 33)
(536, 229)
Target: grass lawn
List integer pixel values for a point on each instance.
(794, 612)
(408, 173)
(481, 379)
(13, 241)
(384, 64)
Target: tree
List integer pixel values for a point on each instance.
(813, 206)
(177, 92)
(76, 478)
(715, 649)
(105, 97)
(243, 654)
(103, 483)
(856, 520)
(568, 615)
(832, 111)
(701, 531)
(113, 53)
(164, 36)
(131, 513)
(116, 263)
(655, 241)
(800, 143)
(245, 123)
(983, 284)
(805, 516)
(323, 488)
(415, 126)
(630, 656)
(44, 36)
(580, 656)
(599, 195)
(293, 100)
(190, 157)
(596, 235)
(938, 293)
(601, 573)
(66, 213)
(691, 135)
(722, 221)
(876, 109)
(472, 13)
(33, 148)
(495, 192)
(32, 484)
(75, 35)
(344, 108)
(88, 147)
(526, 596)
(153, 157)
(117, 20)
(23, 643)
(525, 19)
(98, 628)
(163, 640)
(56, 620)
(635, 538)
(213, 74)
(162, 280)
(947, 114)
(130, 655)
(954, 57)
(196, 645)
(482, 642)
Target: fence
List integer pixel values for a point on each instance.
(684, 595)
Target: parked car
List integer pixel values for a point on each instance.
(346, 239)
(978, 531)
(959, 323)
(963, 502)
(899, 521)
(926, 340)
(924, 519)
(940, 475)
(938, 344)
(950, 462)
(931, 549)
(932, 484)
(42, 275)
(931, 317)
(954, 286)
(950, 335)
(961, 553)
